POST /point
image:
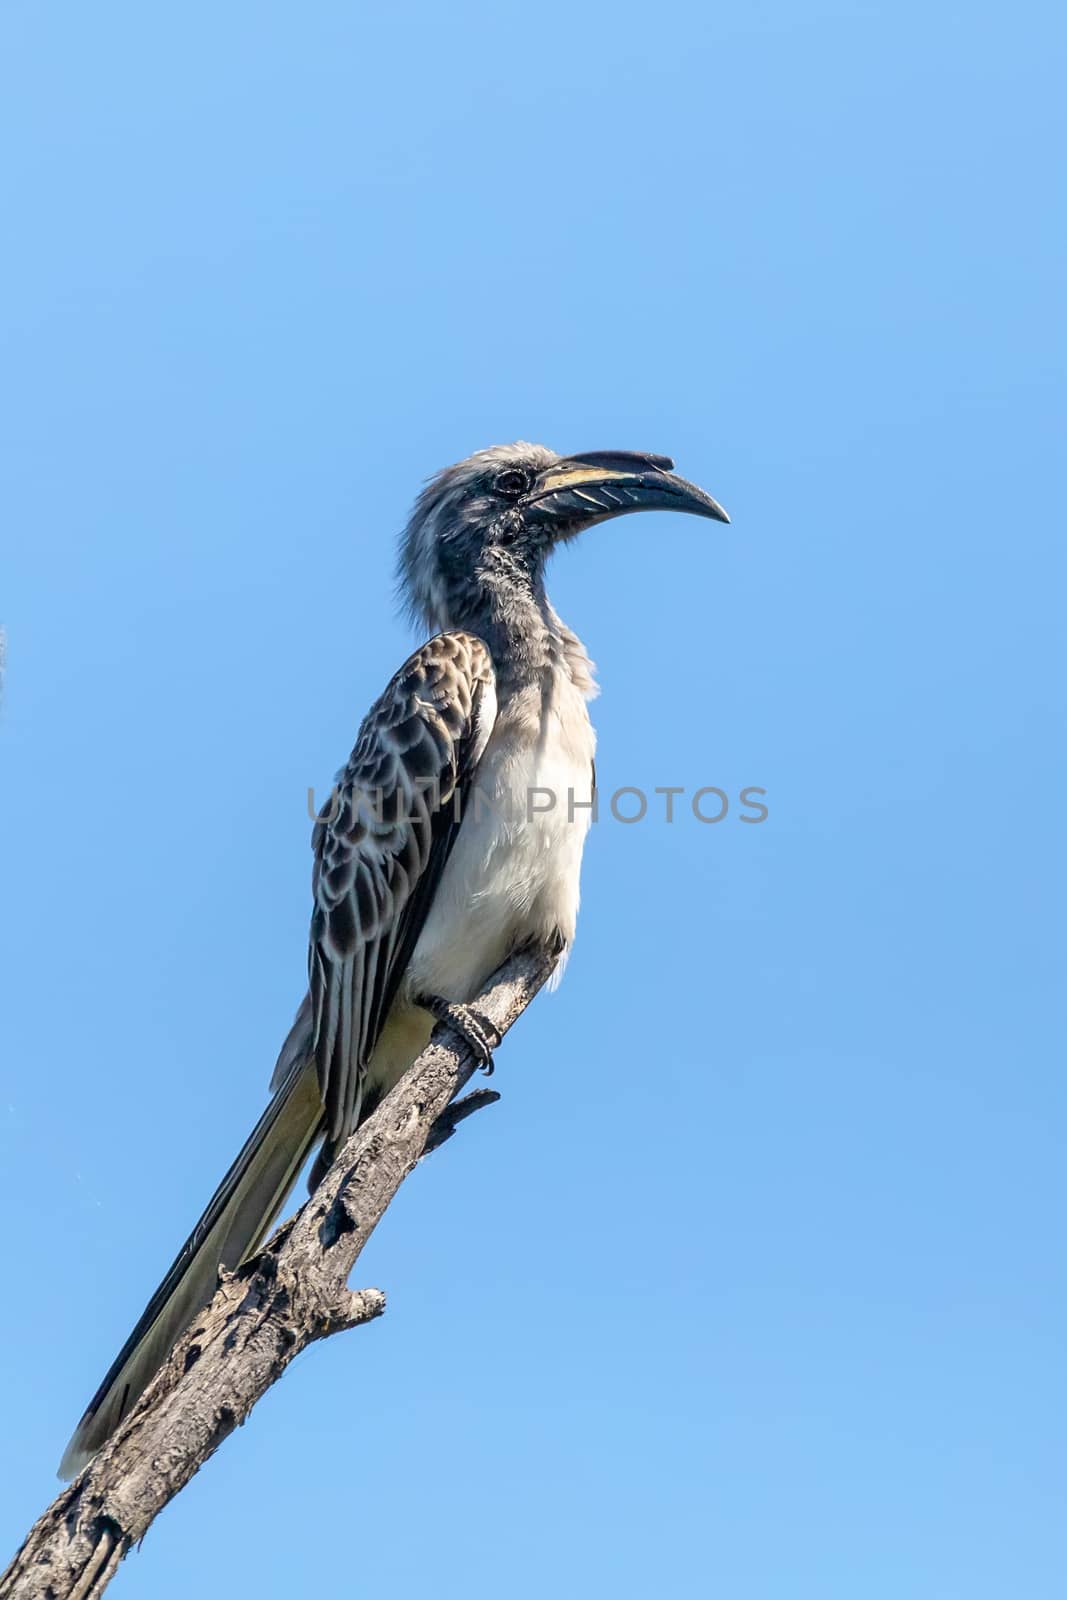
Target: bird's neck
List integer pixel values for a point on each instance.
(528, 641)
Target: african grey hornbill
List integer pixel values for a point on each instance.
(431, 862)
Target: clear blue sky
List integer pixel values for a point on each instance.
(753, 1284)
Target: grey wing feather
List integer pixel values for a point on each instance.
(376, 871)
(380, 846)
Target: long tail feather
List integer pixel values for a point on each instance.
(235, 1223)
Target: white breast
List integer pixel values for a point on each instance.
(514, 869)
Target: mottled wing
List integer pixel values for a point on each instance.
(380, 846)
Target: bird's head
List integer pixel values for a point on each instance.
(487, 525)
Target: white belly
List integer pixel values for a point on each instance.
(513, 874)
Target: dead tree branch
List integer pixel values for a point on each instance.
(294, 1292)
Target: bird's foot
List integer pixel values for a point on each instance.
(474, 1029)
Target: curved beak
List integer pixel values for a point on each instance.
(581, 490)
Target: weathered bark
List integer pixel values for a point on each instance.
(292, 1293)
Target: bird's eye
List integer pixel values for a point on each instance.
(513, 482)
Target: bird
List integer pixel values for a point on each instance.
(430, 864)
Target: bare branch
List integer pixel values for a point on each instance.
(294, 1292)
